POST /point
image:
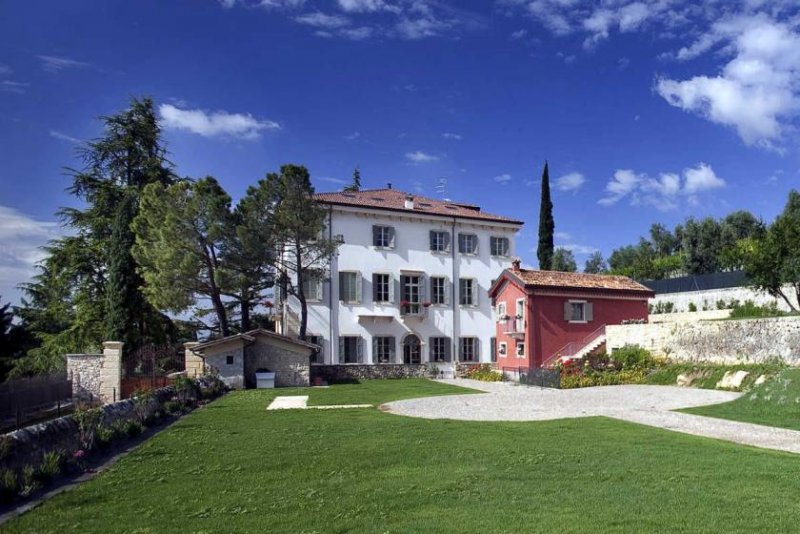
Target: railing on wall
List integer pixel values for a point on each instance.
(27, 399)
(698, 282)
(574, 347)
(535, 376)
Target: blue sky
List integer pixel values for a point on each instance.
(647, 110)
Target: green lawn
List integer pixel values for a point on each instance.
(774, 403)
(234, 467)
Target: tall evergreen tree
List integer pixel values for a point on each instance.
(66, 303)
(564, 261)
(546, 225)
(595, 264)
(355, 185)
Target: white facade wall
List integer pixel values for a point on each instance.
(411, 252)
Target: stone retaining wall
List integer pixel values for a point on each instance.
(342, 373)
(97, 376)
(732, 341)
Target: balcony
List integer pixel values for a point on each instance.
(413, 310)
(514, 327)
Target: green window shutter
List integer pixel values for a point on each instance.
(341, 350)
(375, 350)
(392, 349)
(567, 310)
(376, 232)
(448, 349)
(431, 239)
(358, 283)
(360, 350)
(475, 294)
(589, 312)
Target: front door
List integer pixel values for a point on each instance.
(412, 350)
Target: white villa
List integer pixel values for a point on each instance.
(409, 284)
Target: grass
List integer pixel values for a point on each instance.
(774, 403)
(234, 467)
(376, 392)
(667, 375)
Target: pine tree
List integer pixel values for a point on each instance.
(356, 183)
(546, 225)
(124, 300)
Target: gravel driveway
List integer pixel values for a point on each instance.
(648, 405)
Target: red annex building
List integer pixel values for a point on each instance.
(545, 315)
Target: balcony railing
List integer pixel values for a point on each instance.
(413, 309)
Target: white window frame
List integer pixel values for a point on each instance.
(433, 349)
(476, 349)
(384, 233)
(520, 353)
(389, 288)
(313, 292)
(501, 310)
(392, 348)
(473, 299)
(502, 349)
(474, 238)
(359, 349)
(443, 242)
(583, 304)
(445, 290)
(357, 285)
(495, 239)
(519, 317)
(414, 305)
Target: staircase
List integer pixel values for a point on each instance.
(578, 349)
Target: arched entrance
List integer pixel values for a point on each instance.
(412, 350)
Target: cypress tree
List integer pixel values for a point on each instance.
(546, 225)
(356, 183)
(123, 297)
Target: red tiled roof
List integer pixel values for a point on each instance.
(556, 279)
(394, 200)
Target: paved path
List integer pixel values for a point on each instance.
(300, 402)
(647, 405)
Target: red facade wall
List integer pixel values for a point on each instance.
(552, 332)
(546, 330)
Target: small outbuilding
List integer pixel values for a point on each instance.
(237, 359)
(544, 316)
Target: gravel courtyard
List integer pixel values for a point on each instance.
(648, 405)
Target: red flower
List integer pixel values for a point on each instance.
(80, 453)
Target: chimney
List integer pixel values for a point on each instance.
(515, 263)
(389, 185)
(409, 202)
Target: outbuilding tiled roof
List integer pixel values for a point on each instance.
(394, 200)
(556, 279)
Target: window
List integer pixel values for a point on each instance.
(438, 290)
(412, 350)
(578, 311)
(439, 349)
(520, 349)
(519, 319)
(383, 236)
(467, 243)
(493, 349)
(440, 241)
(350, 287)
(382, 290)
(498, 246)
(316, 356)
(228, 360)
(412, 288)
(503, 349)
(468, 292)
(312, 288)
(350, 349)
(468, 349)
(383, 349)
(501, 311)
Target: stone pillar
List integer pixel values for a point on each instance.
(195, 365)
(111, 372)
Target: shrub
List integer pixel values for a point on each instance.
(211, 386)
(50, 466)
(173, 407)
(633, 357)
(142, 401)
(604, 378)
(663, 307)
(130, 428)
(751, 309)
(88, 420)
(8, 485)
(5, 447)
(28, 483)
(692, 307)
(185, 388)
(105, 435)
(484, 373)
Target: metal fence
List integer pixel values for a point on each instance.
(536, 376)
(27, 399)
(698, 282)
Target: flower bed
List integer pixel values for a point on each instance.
(483, 372)
(628, 365)
(33, 457)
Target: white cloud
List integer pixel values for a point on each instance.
(663, 193)
(352, 137)
(64, 137)
(519, 34)
(502, 178)
(578, 249)
(217, 123)
(55, 64)
(364, 6)
(13, 87)
(452, 136)
(357, 34)
(570, 182)
(421, 157)
(321, 20)
(5, 70)
(21, 239)
(757, 92)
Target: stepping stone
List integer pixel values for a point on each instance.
(293, 402)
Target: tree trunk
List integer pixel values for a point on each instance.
(301, 295)
(216, 297)
(783, 295)
(245, 306)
